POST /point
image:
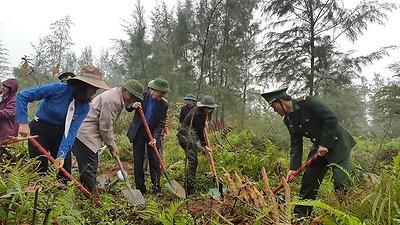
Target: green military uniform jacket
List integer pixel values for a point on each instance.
(313, 119)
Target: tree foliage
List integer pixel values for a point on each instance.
(135, 51)
(386, 110)
(53, 50)
(217, 48)
(4, 67)
(302, 44)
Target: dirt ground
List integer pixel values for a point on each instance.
(198, 207)
(109, 171)
(210, 208)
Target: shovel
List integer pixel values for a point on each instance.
(172, 185)
(301, 169)
(134, 197)
(61, 169)
(218, 191)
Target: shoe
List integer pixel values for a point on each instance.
(142, 190)
(60, 185)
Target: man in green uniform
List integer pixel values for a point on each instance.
(309, 117)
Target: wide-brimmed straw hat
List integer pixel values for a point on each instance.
(207, 101)
(91, 75)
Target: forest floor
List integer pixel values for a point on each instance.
(200, 206)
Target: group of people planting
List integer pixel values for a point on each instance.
(69, 119)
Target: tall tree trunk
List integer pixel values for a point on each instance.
(312, 48)
(204, 47)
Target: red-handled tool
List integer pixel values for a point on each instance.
(298, 171)
(61, 169)
(13, 140)
(172, 185)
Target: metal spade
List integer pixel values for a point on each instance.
(133, 196)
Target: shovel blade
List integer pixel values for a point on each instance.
(176, 188)
(134, 197)
(215, 193)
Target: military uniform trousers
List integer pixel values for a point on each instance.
(312, 179)
(191, 151)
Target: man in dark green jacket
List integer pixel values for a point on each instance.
(309, 117)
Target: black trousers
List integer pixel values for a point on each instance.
(50, 137)
(160, 148)
(140, 143)
(88, 162)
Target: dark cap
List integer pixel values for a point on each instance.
(65, 76)
(275, 95)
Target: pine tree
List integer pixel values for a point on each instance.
(301, 48)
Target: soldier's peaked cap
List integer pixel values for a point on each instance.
(275, 95)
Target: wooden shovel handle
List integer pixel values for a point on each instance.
(124, 173)
(210, 153)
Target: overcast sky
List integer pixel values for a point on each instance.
(96, 22)
(22, 22)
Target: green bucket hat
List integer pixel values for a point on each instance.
(160, 84)
(134, 87)
(150, 83)
(190, 97)
(207, 101)
(275, 95)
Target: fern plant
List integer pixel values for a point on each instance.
(383, 202)
(339, 217)
(15, 202)
(172, 216)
